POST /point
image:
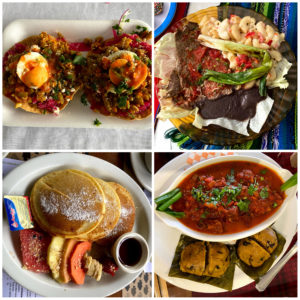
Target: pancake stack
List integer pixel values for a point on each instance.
(74, 205)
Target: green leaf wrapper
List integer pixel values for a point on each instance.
(256, 273)
(224, 282)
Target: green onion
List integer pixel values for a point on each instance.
(263, 86)
(290, 182)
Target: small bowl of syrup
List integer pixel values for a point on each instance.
(130, 252)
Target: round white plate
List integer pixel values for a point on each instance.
(166, 238)
(20, 181)
(140, 169)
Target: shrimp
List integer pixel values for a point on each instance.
(257, 44)
(270, 32)
(261, 28)
(234, 19)
(235, 32)
(247, 23)
(275, 41)
(207, 28)
(203, 21)
(223, 30)
(248, 42)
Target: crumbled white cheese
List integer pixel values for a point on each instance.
(56, 111)
(35, 48)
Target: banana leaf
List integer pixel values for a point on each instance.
(256, 273)
(224, 282)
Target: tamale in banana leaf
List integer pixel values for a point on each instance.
(256, 273)
(224, 282)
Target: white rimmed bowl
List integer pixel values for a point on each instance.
(282, 173)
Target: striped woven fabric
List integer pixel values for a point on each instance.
(284, 135)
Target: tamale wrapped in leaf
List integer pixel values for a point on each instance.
(256, 273)
(224, 282)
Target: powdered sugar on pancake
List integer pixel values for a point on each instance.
(74, 206)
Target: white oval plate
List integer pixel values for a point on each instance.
(282, 173)
(140, 169)
(75, 115)
(20, 181)
(166, 238)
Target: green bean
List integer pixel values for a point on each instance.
(169, 202)
(163, 198)
(289, 183)
(175, 214)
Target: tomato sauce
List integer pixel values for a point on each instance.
(229, 197)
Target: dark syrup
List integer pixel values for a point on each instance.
(130, 252)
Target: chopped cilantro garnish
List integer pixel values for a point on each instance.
(122, 101)
(132, 116)
(275, 204)
(230, 177)
(118, 28)
(127, 20)
(83, 100)
(97, 122)
(243, 205)
(262, 178)
(198, 193)
(79, 60)
(204, 215)
(263, 172)
(149, 62)
(136, 57)
(70, 76)
(199, 68)
(140, 29)
(121, 87)
(62, 59)
(251, 189)
(264, 193)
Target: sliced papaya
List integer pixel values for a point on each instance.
(76, 264)
(64, 264)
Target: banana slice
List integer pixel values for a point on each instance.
(54, 256)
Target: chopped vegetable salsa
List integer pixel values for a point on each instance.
(228, 197)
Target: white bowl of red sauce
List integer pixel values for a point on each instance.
(228, 198)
